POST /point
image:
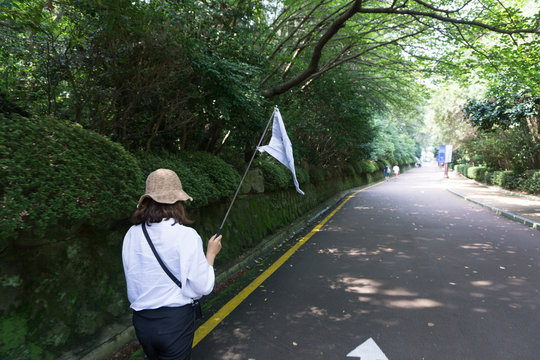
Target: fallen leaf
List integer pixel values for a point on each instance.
(430, 324)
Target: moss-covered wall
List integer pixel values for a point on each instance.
(255, 216)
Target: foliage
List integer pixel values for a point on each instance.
(366, 167)
(462, 169)
(310, 37)
(50, 171)
(204, 177)
(508, 136)
(531, 182)
(476, 173)
(506, 179)
(276, 176)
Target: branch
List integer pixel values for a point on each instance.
(296, 29)
(317, 53)
(447, 12)
(447, 20)
(313, 67)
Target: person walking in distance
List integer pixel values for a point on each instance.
(166, 269)
(387, 173)
(396, 170)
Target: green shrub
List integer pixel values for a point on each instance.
(531, 182)
(56, 176)
(476, 172)
(506, 179)
(224, 177)
(302, 176)
(350, 170)
(204, 177)
(462, 169)
(366, 167)
(276, 176)
(488, 177)
(316, 174)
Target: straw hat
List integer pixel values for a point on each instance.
(164, 187)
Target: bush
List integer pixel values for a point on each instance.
(366, 167)
(276, 176)
(531, 182)
(506, 179)
(462, 169)
(302, 176)
(204, 177)
(224, 176)
(55, 177)
(476, 173)
(316, 174)
(488, 177)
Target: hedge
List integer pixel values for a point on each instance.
(55, 176)
(476, 173)
(531, 182)
(205, 177)
(65, 189)
(528, 181)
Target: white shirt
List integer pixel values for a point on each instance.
(181, 249)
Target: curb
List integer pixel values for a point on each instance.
(502, 212)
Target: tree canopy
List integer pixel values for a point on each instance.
(203, 75)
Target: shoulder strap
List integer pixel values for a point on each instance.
(167, 271)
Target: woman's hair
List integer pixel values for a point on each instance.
(151, 211)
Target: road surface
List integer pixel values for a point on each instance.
(421, 272)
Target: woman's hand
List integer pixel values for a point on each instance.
(212, 249)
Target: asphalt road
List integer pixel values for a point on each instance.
(425, 274)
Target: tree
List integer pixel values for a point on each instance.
(314, 37)
(510, 124)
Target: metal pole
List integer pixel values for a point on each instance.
(245, 173)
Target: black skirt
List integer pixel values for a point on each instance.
(166, 333)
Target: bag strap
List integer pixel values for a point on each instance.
(167, 271)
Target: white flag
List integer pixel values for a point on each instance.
(280, 146)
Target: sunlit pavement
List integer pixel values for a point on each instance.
(421, 271)
(521, 207)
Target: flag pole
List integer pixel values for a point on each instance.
(245, 173)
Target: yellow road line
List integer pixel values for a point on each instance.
(222, 313)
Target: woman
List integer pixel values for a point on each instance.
(163, 315)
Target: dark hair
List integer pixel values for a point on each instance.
(151, 211)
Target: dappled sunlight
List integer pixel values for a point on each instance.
(489, 285)
(398, 297)
(419, 303)
(355, 252)
(479, 310)
(360, 285)
(399, 292)
(363, 208)
(312, 311)
(241, 333)
(477, 246)
(344, 317)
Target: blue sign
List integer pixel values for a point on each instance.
(445, 154)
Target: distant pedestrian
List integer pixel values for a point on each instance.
(396, 170)
(387, 173)
(164, 312)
